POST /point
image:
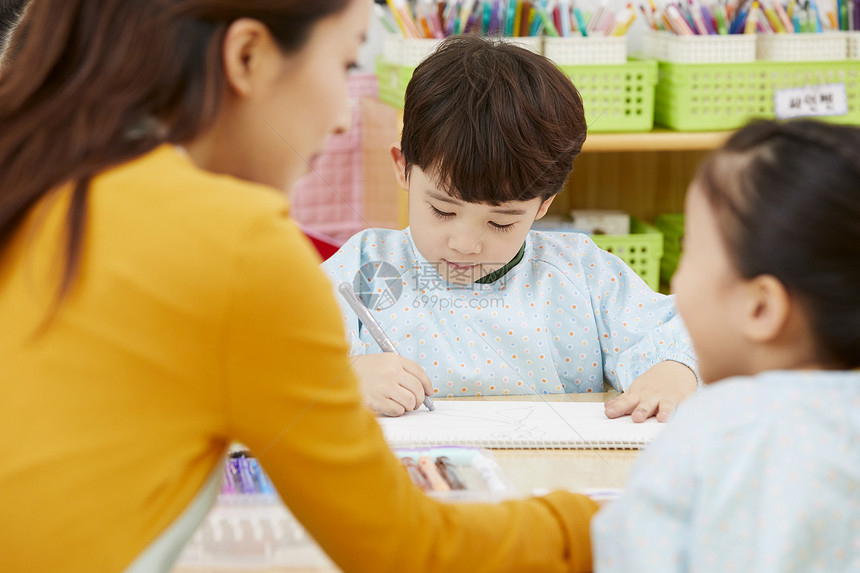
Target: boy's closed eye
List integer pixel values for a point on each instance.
(502, 228)
(441, 214)
(496, 226)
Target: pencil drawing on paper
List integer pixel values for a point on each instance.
(516, 424)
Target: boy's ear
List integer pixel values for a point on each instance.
(544, 207)
(399, 164)
(768, 309)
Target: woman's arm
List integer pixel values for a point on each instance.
(291, 396)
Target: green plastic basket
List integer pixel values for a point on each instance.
(616, 97)
(702, 97)
(642, 250)
(393, 79)
(672, 227)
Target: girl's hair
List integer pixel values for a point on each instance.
(787, 198)
(95, 83)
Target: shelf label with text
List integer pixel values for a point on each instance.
(810, 101)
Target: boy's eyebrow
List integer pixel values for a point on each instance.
(445, 198)
(448, 199)
(509, 211)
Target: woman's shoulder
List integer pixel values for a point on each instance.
(167, 179)
(162, 203)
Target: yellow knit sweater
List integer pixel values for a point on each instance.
(199, 316)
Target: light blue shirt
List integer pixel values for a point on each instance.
(752, 474)
(563, 319)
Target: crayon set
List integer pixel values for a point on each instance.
(452, 472)
(244, 476)
(506, 18)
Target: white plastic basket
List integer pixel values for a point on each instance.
(717, 49)
(533, 43)
(409, 52)
(853, 45)
(598, 50)
(825, 47)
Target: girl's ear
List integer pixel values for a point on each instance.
(399, 164)
(544, 207)
(768, 309)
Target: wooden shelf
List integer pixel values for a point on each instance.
(657, 140)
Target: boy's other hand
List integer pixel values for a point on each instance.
(391, 384)
(657, 392)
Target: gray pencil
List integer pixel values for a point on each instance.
(370, 324)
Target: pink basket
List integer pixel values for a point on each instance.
(328, 199)
(339, 195)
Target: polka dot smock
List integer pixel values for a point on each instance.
(563, 319)
(751, 474)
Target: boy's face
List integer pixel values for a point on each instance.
(466, 241)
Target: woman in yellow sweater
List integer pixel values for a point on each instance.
(157, 302)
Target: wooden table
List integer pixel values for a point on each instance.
(531, 470)
(528, 470)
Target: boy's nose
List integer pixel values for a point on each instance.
(465, 244)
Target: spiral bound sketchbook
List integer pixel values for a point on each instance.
(518, 425)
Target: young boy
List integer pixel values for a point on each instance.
(475, 302)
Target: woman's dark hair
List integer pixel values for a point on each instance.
(787, 199)
(98, 82)
(492, 122)
(11, 12)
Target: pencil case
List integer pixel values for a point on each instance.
(455, 473)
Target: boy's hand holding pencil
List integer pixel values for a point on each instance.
(391, 384)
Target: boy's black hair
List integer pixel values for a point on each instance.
(492, 122)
